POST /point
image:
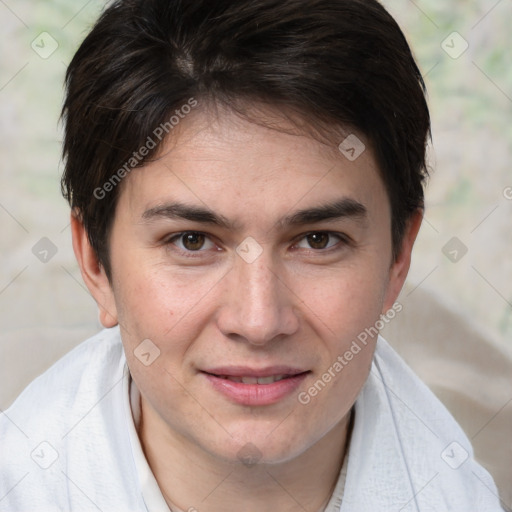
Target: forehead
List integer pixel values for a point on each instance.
(231, 164)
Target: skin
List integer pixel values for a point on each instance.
(299, 303)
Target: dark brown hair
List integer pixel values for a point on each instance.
(341, 63)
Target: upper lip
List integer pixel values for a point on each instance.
(245, 371)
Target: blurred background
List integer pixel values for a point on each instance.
(462, 261)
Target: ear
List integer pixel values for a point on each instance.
(93, 273)
(400, 267)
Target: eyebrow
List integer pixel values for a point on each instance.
(187, 212)
(342, 208)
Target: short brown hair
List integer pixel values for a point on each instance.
(341, 62)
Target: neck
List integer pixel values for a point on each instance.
(192, 479)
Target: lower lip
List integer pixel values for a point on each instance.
(256, 394)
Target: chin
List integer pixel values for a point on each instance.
(252, 445)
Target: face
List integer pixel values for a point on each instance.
(252, 259)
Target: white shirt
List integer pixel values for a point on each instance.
(69, 442)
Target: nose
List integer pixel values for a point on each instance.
(259, 306)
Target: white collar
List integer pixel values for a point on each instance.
(151, 493)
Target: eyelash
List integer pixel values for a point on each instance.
(188, 253)
(343, 240)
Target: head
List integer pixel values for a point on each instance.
(246, 182)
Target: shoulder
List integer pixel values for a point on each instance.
(86, 368)
(409, 451)
(66, 433)
(391, 375)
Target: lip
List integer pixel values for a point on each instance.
(245, 371)
(255, 394)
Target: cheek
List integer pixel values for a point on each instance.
(343, 312)
(172, 308)
(342, 303)
(150, 291)
(169, 310)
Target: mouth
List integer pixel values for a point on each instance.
(252, 387)
(254, 380)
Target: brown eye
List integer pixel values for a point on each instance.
(193, 241)
(318, 240)
(321, 240)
